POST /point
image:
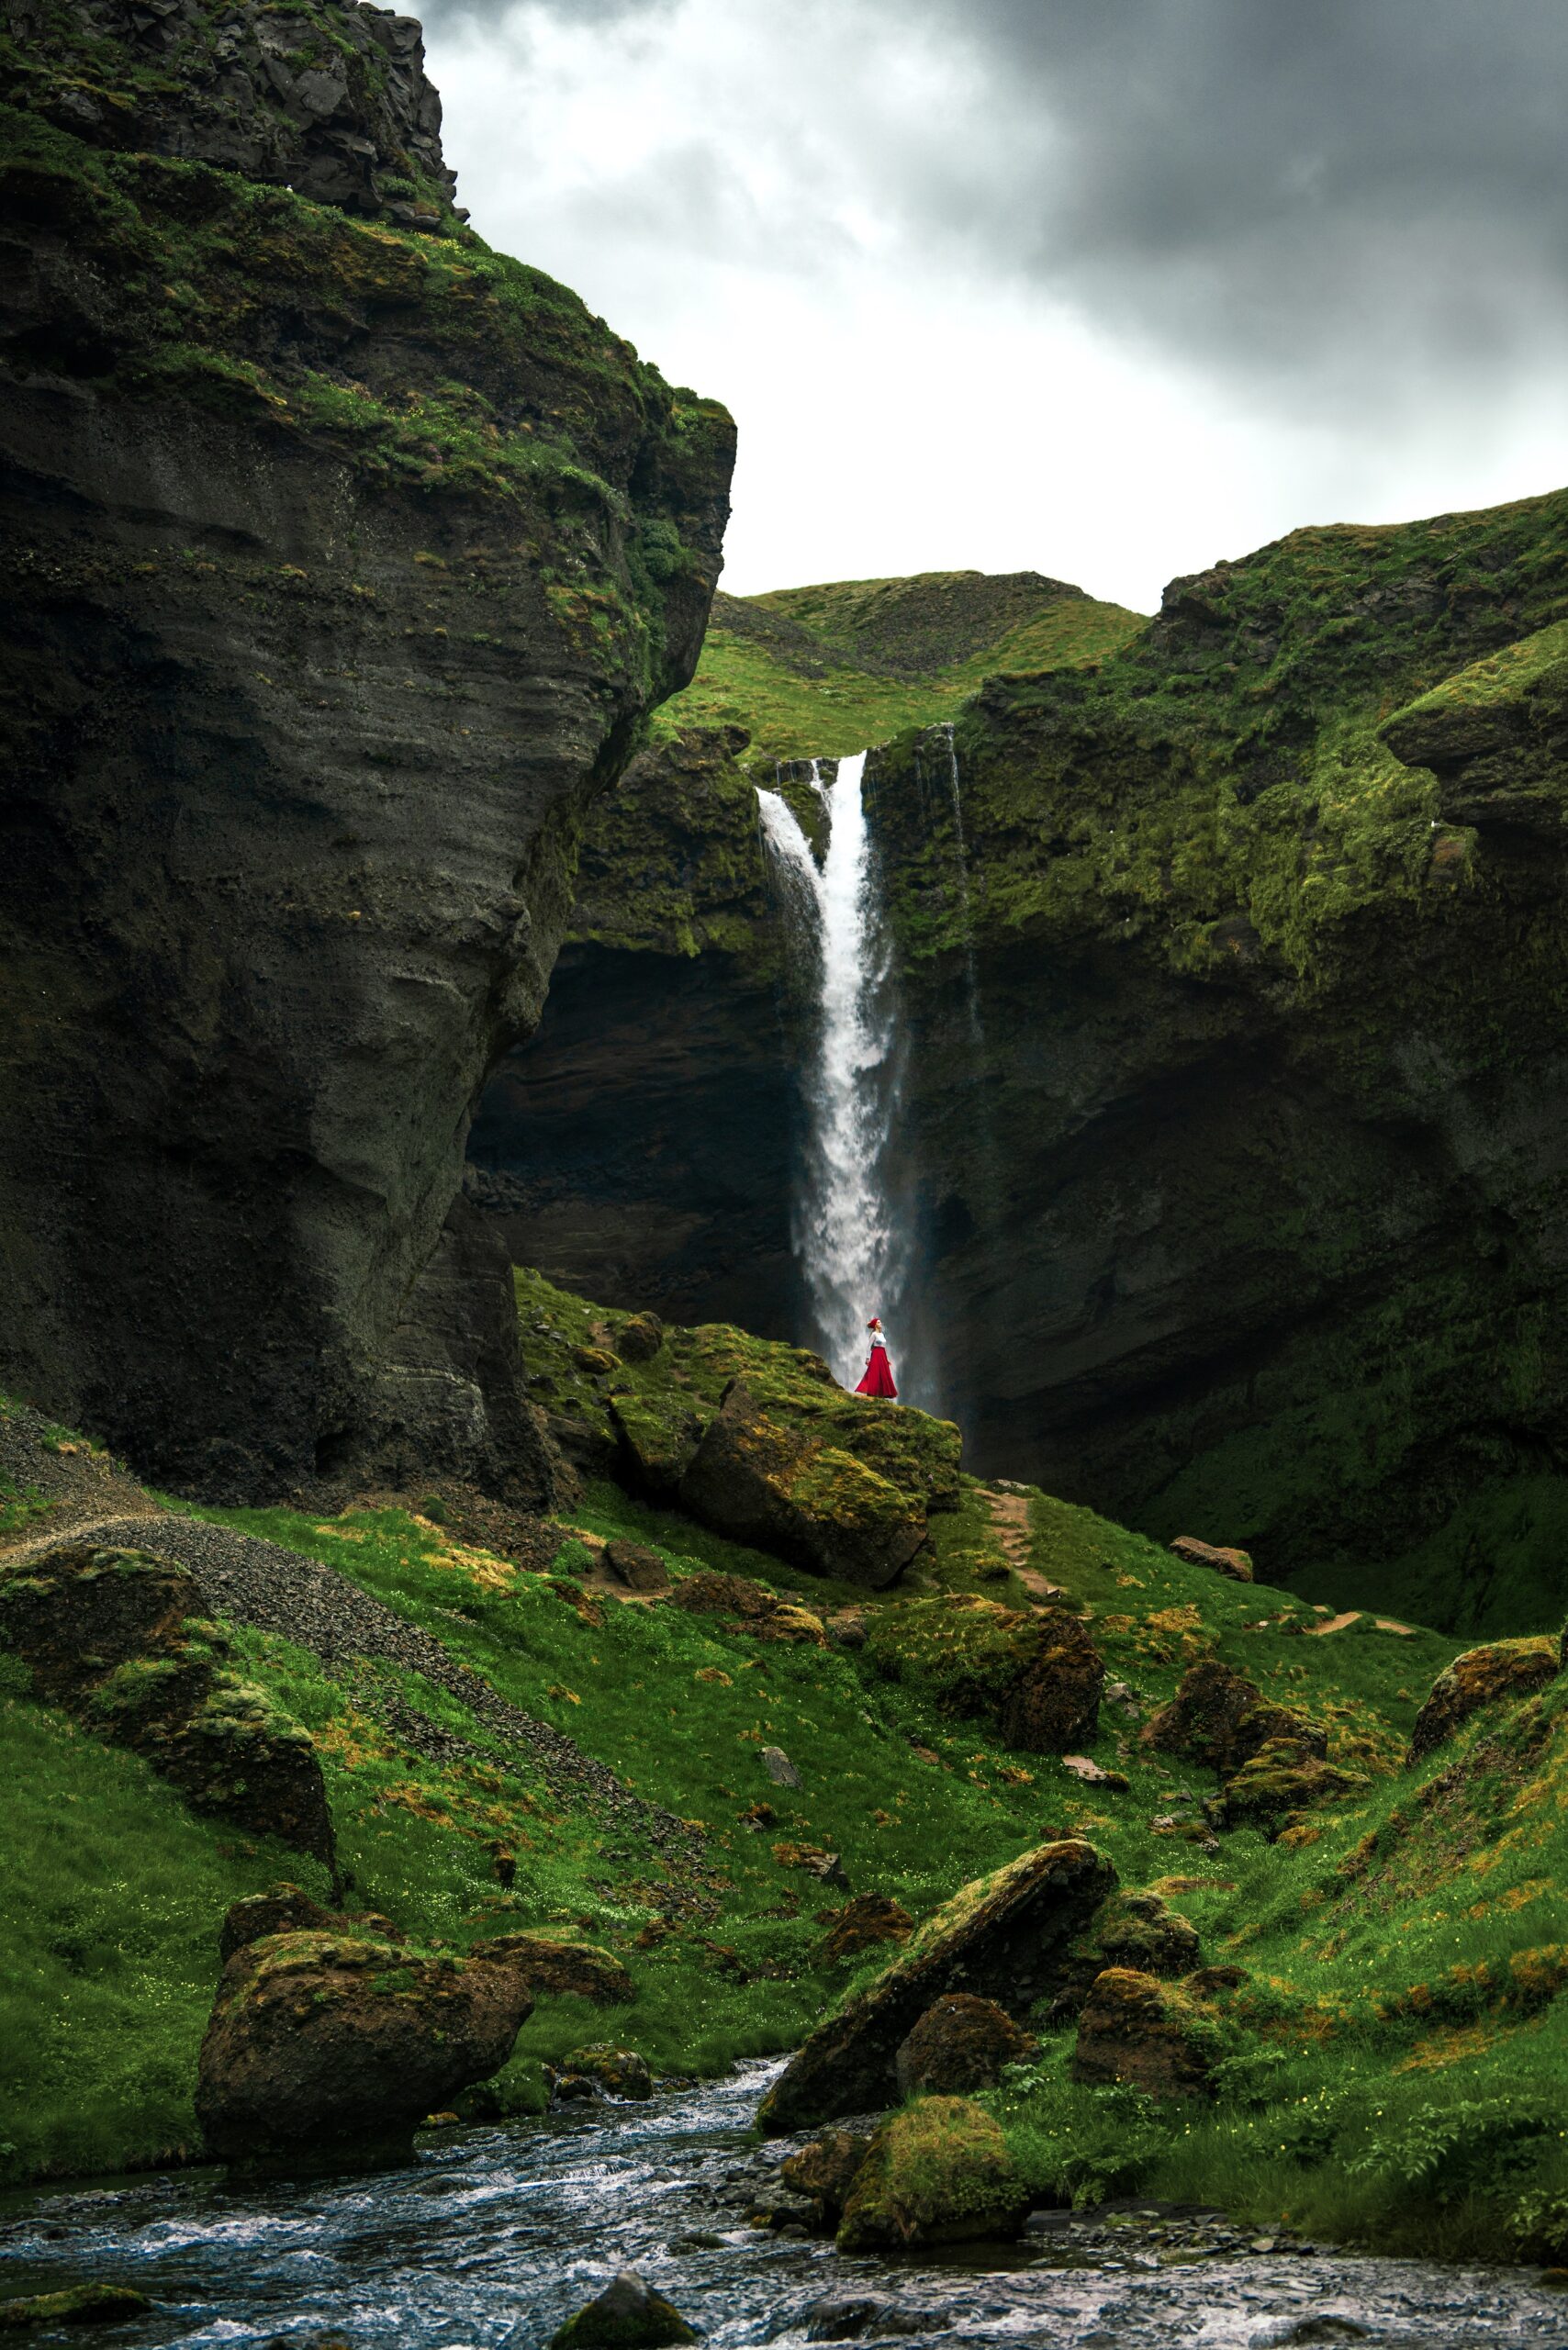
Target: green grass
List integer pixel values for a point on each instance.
(110, 1902)
(843, 708)
(1390, 2065)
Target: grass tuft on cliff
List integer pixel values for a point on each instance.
(818, 672)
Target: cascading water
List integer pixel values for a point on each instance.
(847, 1237)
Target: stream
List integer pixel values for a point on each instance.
(497, 2234)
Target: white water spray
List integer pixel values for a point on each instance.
(846, 1235)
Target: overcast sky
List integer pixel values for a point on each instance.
(1102, 288)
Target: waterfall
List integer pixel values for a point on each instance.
(846, 1235)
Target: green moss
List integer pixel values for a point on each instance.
(939, 2173)
(818, 672)
(1225, 765)
(867, 1461)
(499, 391)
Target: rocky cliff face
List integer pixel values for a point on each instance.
(343, 560)
(1247, 1216)
(1244, 1217)
(638, 1149)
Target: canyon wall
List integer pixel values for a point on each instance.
(344, 558)
(1248, 1216)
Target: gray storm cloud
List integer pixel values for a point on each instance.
(1308, 189)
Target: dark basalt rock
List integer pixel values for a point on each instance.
(825, 2171)
(354, 124)
(1146, 2034)
(1284, 1777)
(286, 1909)
(1219, 1717)
(636, 1566)
(1004, 1937)
(325, 2044)
(76, 2305)
(861, 1924)
(960, 2044)
(314, 664)
(601, 2065)
(1138, 1930)
(579, 1970)
(628, 2315)
(120, 1636)
(939, 2173)
(1485, 1676)
(756, 1479)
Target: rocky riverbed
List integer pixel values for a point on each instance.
(496, 2235)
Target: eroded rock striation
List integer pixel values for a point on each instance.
(345, 558)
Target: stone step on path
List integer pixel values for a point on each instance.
(272, 1589)
(1010, 1518)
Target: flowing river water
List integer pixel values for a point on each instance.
(494, 2235)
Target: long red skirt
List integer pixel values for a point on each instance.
(879, 1377)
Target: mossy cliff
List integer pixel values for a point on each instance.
(1244, 1218)
(345, 559)
(1240, 1219)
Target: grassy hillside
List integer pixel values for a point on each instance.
(816, 672)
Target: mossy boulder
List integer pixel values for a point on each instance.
(324, 2047)
(288, 1909)
(628, 2315)
(76, 2305)
(635, 1567)
(1483, 1676)
(861, 1924)
(761, 1480)
(755, 1439)
(568, 1970)
(1136, 1929)
(1220, 1719)
(659, 1436)
(1004, 1937)
(1235, 1565)
(825, 2170)
(1283, 1778)
(960, 2044)
(1148, 2034)
(121, 1637)
(614, 2071)
(1035, 1673)
(939, 2173)
(639, 1337)
(78, 1610)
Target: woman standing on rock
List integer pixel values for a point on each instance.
(877, 1377)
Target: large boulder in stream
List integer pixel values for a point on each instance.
(938, 2173)
(628, 2315)
(327, 2045)
(1004, 1937)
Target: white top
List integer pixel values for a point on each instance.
(878, 1339)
